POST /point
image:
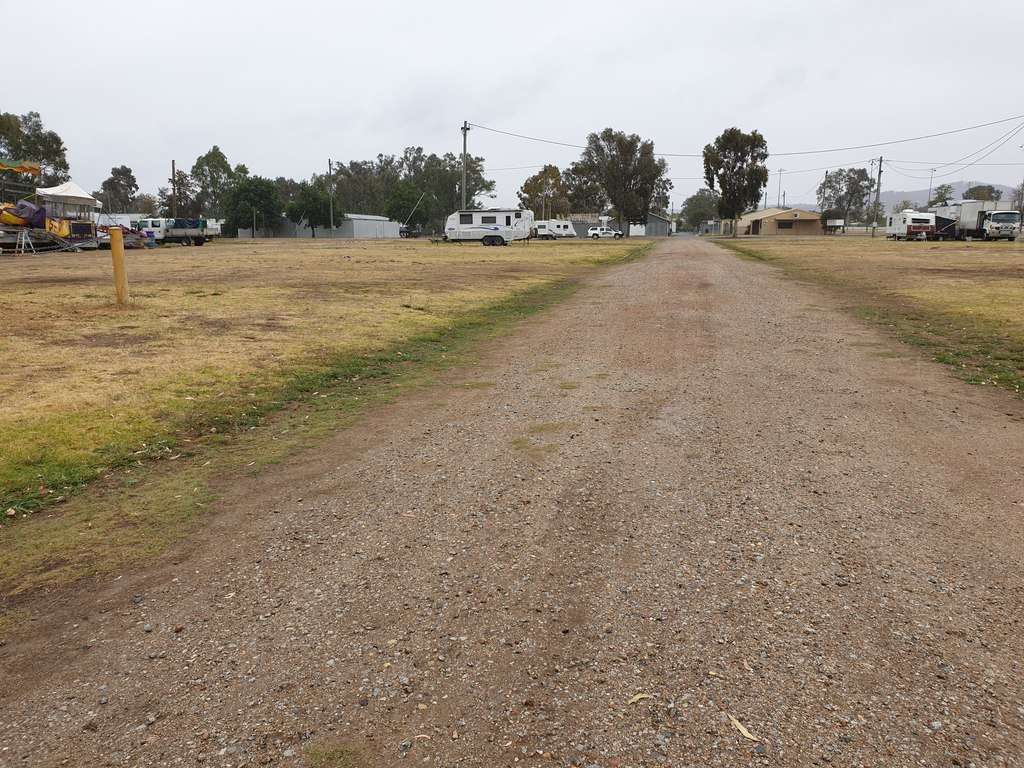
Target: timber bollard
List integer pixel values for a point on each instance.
(117, 255)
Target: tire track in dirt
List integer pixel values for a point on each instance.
(693, 481)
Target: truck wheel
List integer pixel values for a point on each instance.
(199, 241)
(596, 237)
(618, 237)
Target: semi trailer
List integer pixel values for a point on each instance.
(976, 220)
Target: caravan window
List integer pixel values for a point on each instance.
(920, 221)
(542, 225)
(488, 220)
(465, 218)
(519, 214)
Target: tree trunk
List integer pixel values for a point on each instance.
(735, 227)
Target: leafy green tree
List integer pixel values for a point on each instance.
(180, 194)
(545, 192)
(211, 174)
(983, 192)
(629, 173)
(735, 165)
(288, 189)
(249, 198)
(1018, 197)
(845, 194)
(24, 137)
(586, 195)
(405, 204)
(145, 203)
(118, 191)
(440, 176)
(941, 195)
(699, 207)
(311, 205)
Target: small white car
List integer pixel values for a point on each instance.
(597, 232)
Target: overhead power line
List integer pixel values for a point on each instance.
(773, 154)
(1004, 139)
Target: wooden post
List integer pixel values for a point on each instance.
(117, 255)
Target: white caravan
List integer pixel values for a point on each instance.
(491, 226)
(555, 229)
(909, 224)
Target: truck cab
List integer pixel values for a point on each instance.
(1001, 225)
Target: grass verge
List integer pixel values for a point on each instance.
(141, 503)
(918, 296)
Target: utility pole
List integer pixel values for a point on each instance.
(931, 176)
(174, 191)
(878, 196)
(465, 132)
(330, 190)
(778, 201)
(783, 199)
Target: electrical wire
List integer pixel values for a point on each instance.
(773, 154)
(963, 167)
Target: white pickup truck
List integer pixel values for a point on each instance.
(599, 232)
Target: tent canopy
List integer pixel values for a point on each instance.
(69, 193)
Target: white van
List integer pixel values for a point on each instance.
(491, 226)
(555, 229)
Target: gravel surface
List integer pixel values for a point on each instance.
(694, 516)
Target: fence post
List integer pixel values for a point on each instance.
(117, 256)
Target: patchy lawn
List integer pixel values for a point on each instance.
(116, 422)
(960, 301)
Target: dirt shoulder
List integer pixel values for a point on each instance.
(694, 491)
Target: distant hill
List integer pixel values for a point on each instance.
(920, 196)
(917, 196)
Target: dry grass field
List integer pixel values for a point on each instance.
(216, 340)
(960, 301)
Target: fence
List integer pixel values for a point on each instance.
(13, 189)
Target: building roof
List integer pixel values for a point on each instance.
(366, 217)
(781, 213)
(661, 216)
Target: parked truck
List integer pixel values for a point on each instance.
(976, 220)
(183, 231)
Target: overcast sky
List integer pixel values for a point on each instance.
(283, 86)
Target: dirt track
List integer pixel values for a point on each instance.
(695, 481)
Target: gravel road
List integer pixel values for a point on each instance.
(696, 515)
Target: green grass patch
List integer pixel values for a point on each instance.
(882, 286)
(150, 484)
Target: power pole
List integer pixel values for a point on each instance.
(330, 190)
(778, 201)
(174, 191)
(878, 196)
(931, 177)
(465, 132)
